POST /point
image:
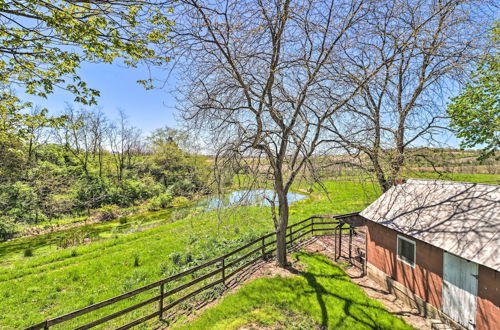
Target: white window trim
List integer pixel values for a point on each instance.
(414, 251)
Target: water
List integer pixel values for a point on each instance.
(257, 197)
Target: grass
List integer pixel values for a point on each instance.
(322, 296)
(55, 281)
(464, 177)
(125, 255)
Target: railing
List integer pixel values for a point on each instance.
(226, 267)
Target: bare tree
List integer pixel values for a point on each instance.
(432, 45)
(124, 141)
(37, 130)
(261, 78)
(99, 127)
(76, 136)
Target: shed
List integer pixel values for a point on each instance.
(437, 242)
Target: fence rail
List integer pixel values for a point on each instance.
(223, 266)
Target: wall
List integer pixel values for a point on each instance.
(425, 280)
(488, 299)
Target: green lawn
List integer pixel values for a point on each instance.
(321, 296)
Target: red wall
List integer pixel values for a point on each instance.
(425, 280)
(488, 300)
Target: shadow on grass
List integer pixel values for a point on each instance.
(322, 292)
(352, 308)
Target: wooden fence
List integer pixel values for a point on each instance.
(226, 267)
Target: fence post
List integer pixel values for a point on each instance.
(291, 237)
(162, 293)
(263, 249)
(350, 243)
(312, 226)
(224, 271)
(46, 326)
(340, 240)
(335, 242)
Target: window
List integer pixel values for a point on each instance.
(406, 251)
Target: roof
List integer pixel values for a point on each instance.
(461, 218)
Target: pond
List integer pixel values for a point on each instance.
(256, 197)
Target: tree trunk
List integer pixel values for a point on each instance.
(379, 172)
(281, 230)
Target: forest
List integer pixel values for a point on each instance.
(81, 164)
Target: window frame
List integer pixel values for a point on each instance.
(414, 251)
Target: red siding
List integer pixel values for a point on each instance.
(425, 280)
(488, 300)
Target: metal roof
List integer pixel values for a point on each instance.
(461, 218)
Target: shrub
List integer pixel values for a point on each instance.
(28, 253)
(176, 258)
(135, 280)
(161, 201)
(136, 260)
(107, 213)
(90, 193)
(179, 201)
(76, 237)
(7, 228)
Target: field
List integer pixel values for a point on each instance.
(120, 255)
(55, 280)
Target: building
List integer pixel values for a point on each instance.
(437, 244)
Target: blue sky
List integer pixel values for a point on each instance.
(146, 109)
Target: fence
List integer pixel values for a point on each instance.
(226, 267)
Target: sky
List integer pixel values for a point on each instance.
(146, 109)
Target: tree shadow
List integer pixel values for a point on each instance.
(356, 309)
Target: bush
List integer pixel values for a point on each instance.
(106, 213)
(179, 201)
(21, 203)
(176, 258)
(159, 202)
(136, 260)
(90, 193)
(28, 253)
(131, 191)
(76, 237)
(7, 228)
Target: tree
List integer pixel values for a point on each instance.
(475, 113)
(261, 78)
(124, 142)
(43, 43)
(21, 126)
(75, 135)
(179, 171)
(431, 45)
